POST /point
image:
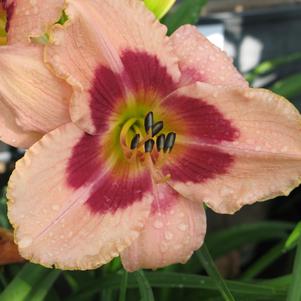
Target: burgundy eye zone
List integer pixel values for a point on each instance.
(202, 123)
(10, 9)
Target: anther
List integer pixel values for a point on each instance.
(157, 128)
(170, 142)
(135, 141)
(148, 121)
(160, 142)
(149, 145)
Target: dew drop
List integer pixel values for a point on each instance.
(158, 224)
(182, 227)
(178, 247)
(55, 207)
(168, 235)
(211, 58)
(25, 242)
(163, 248)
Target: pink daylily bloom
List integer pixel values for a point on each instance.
(159, 127)
(32, 100)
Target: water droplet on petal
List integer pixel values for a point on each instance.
(182, 227)
(211, 58)
(25, 242)
(163, 247)
(168, 235)
(55, 207)
(158, 224)
(178, 247)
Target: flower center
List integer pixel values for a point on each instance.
(141, 138)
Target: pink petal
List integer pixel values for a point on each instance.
(245, 146)
(201, 61)
(107, 34)
(30, 18)
(146, 78)
(35, 99)
(174, 230)
(65, 207)
(11, 133)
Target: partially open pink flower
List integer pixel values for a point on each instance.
(32, 100)
(160, 126)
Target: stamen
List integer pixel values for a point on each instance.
(148, 122)
(128, 153)
(149, 145)
(156, 172)
(135, 141)
(157, 128)
(170, 142)
(160, 142)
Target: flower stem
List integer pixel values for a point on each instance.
(208, 264)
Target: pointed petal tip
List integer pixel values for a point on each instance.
(200, 60)
(171, 235)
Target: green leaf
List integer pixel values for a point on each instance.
(159, 7)
(123, 286)
(263, 262)
(270, 65)
(225, 241)
(78, 279)
(22, 285)
(292, 240)
(40, 291)
(294, 293)
(209, 266)
(186, 12)
(288, 87)
(3, 211)
(179, 280)
(283, 281)
(144, 287)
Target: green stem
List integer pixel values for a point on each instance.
(294, 293)
(208, 264)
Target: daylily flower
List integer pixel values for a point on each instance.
(159, 7)
(32, 100)
(159, 127)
